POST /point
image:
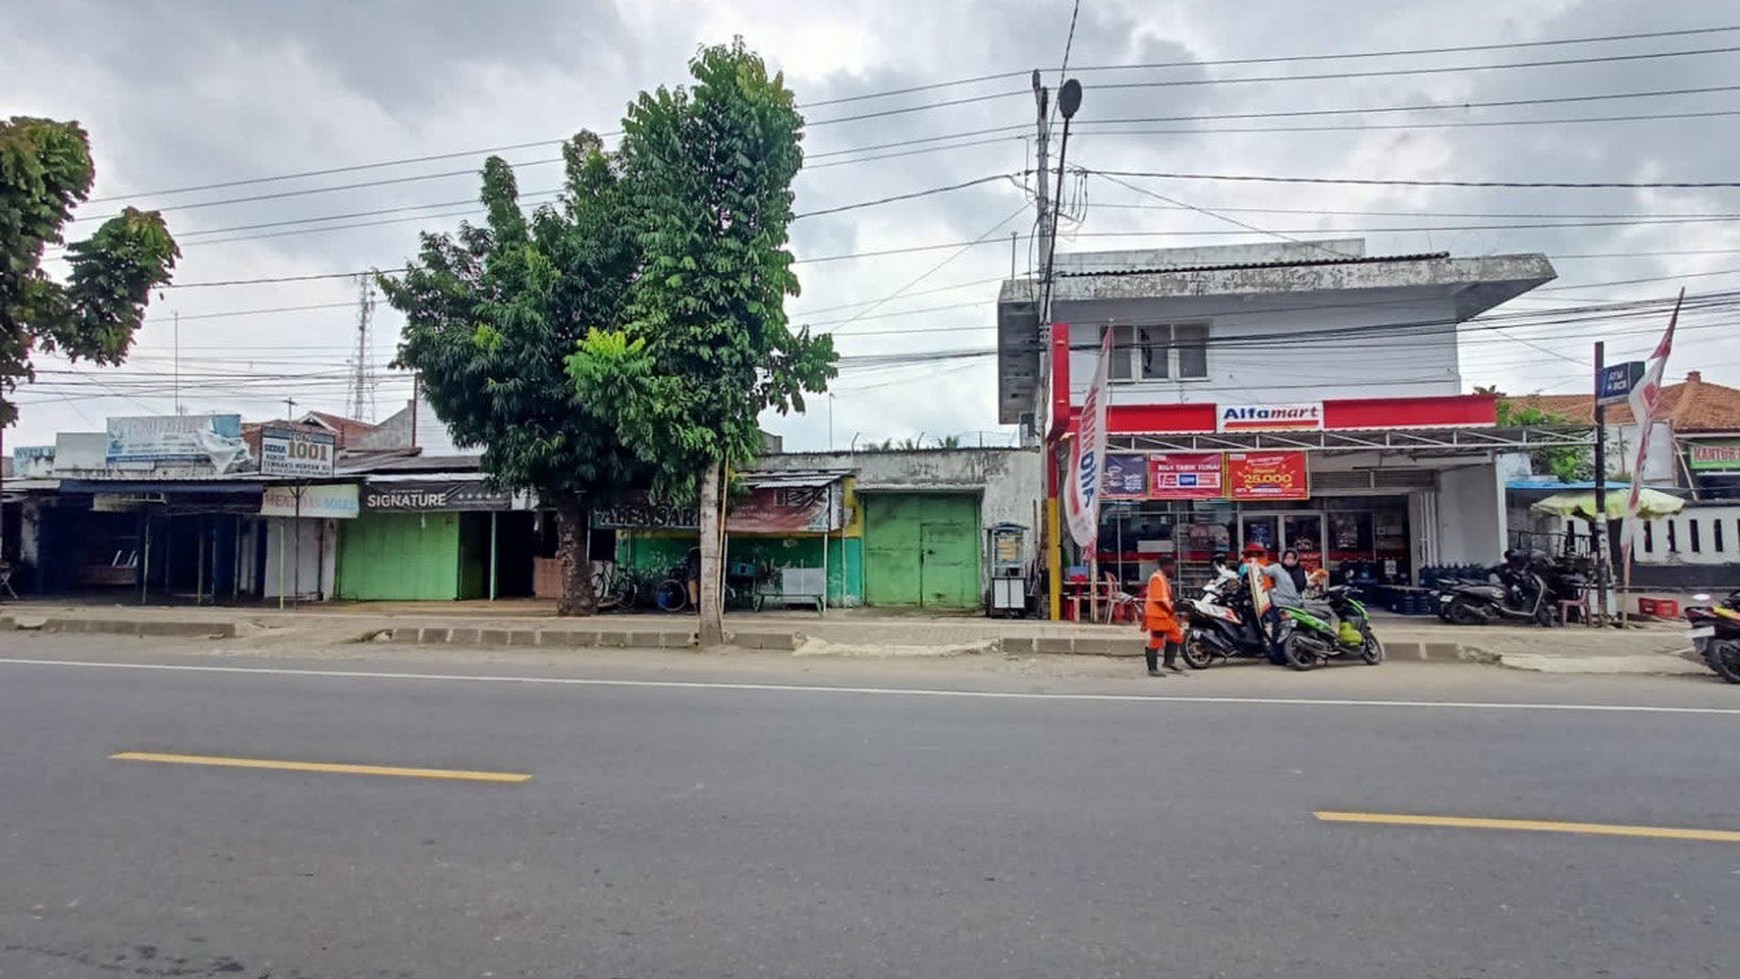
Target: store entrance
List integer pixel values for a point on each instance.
(1298, 530)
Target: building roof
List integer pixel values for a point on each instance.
(345, 428)
(1693, 406)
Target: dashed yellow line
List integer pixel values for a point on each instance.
(321, 766)
(1533, 825)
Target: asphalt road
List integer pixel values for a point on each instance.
(758, 824)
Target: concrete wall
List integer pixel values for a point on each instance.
(310, 558)
(1471, 516)
(1012, 481)
(1250, 358)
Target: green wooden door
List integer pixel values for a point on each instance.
(921, 549)
(403, 556)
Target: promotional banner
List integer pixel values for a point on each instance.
(1081, 490)
(294, 452)
(176, 440)
(1126, 477)
(1267, 476)
(786, 510)
(1186, 476)
(1645, 409)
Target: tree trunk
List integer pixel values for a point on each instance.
(712, 606)
(572, 535)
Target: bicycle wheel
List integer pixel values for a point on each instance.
(671, 596)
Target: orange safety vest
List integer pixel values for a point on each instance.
(1158, 614)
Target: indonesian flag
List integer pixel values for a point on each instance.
(1645, 401)
(1081, 493)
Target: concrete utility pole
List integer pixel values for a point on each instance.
(1042, 230)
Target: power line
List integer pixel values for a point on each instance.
(1388, 182)
(1409, 126)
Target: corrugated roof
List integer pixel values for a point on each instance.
(1355, 260)
(793, 478)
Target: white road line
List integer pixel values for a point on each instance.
(878, 691)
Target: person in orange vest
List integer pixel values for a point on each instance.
(1160, 619)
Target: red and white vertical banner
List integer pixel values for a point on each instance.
(1087, 455)
(1645, 402)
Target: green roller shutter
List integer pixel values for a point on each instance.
(402, 556)
(921, 549)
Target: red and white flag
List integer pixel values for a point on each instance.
(1645, 401)
(1081, 494)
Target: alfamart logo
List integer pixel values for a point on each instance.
(1271, 418)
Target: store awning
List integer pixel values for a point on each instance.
(163, 487)
(793, 478)
(1472, 441)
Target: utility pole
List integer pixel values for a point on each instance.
(1600, 549)
(1042, 230)
(361, 403)
(177, 362)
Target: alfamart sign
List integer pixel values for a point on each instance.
(1298, 417)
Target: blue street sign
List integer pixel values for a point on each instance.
(1616, 381)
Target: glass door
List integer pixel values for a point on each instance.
(1260, 530)
(1303, 532)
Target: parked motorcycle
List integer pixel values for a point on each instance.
(1222, 625)
(1515, 592)
(1716, 634)
(1315, 632)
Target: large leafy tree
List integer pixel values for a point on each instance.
(706, 346)
(490, 315)
(46, 171)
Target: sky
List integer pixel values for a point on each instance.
(183, 94)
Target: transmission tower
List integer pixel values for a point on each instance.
(361, 403)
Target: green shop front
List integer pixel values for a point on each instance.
(436, 538)
(790, 532)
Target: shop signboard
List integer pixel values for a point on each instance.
(1267, 476)
(644, 514)
(33, 461)
(1186, 476)
(1126, 477)
(434, 496)
(1303, 416)
(331, 502)
(294, 452)
(786, 510)
(173, 441)
(1715, 457)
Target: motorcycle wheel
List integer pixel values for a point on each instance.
(1544, 616)
(1373, 650)
(1460, 613)
(1299, 655)
(1198, 654)
(1724, 658)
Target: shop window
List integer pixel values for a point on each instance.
(1692, 532)
(1159, 352)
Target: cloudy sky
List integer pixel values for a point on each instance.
(192, 93)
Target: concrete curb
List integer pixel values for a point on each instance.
(142, 628)
(545, 638)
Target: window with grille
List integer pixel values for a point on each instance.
(1159, 352)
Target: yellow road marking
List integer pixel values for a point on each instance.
(1533, 825)
(321, 766)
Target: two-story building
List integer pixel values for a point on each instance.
(1296, 395)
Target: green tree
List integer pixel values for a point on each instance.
(46, 171)
(490, 315)
(706, 346)
(1569, 464)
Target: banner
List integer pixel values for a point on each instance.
(1645, 407)
(176, 440)
(434, 495)
(787, 510)
(294, 452)
(1186, 476)
(1126, 477)
(1081, 490)
(338, 502)
(1267, 476)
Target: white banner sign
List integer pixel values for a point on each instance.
(176, 441)
(292, 452)
(322, 502)
(1087, 454)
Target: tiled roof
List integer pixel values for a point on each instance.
(1694, 405)
(346, 428)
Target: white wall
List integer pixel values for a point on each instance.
(1471, 516)
(1250, 358)
(310, 561)
(1711, 521)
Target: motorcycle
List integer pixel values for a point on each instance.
(1716, 634)
(1340, 625)
(1520, 594)
(1222, 625)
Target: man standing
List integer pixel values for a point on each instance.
(1160, 619)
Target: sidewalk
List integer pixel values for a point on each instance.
(1655, 648)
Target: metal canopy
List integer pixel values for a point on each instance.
(1466, 440)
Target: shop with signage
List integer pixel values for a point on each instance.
(436, 537)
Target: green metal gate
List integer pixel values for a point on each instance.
(921, 549)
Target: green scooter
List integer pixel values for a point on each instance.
(1313, 634)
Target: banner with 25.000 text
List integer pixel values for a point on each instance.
(1267, 476)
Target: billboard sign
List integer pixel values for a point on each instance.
(171, 441)
(1267, 476)
(33, 461)
(294, 452)
(1296, 417)
(1186, 476)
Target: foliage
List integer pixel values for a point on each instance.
(490, 315)
(46, 171)
(706, 346)
(1569, 464)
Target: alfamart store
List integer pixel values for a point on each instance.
(1368, 488)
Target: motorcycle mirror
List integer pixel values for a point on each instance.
(1700, 598)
